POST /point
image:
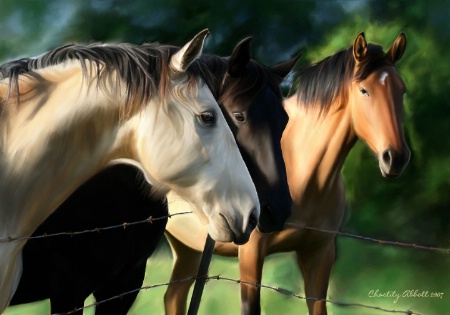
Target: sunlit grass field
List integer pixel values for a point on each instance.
(361, 269)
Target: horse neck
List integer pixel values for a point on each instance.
(315, 148)
(40, 167)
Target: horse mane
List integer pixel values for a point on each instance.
(325, 83)
(143, 68)
(244, 88)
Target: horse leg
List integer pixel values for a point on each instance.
(67, 294)
(186, 262)
(10, 270)
(316, 265)
(130, 279)
(251, 260)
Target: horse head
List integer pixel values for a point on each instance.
(193, 152)
(376, 99)
(251, 100)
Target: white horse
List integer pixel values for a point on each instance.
(85, 107)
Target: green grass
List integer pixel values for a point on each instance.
(361, 267)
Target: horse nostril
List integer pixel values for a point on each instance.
(252, 221)
(387, 157)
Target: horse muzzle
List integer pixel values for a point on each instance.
(224, 229)
(392, 162)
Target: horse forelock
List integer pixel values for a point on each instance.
(374, 60)
(325, 83)
(247, 87)
(218, 67)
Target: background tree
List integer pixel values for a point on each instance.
(413, 208)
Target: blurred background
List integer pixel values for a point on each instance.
(414, 208)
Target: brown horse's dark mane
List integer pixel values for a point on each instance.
(243, 88)
(325, 83)
(143, 68)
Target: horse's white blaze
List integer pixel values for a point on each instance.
(66, 129)
(383, 76)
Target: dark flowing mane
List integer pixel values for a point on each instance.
(244, 88)
(324, 83)
(143, 68)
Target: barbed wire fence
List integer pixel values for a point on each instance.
(279, 290)
(236, 281)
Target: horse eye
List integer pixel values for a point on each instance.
(207, 118)
(239, 116)
(364, 91)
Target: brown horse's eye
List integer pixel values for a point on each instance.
(364, 91)
(239, 116)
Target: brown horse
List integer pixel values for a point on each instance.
(356, 93)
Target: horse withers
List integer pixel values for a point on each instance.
(83, 107)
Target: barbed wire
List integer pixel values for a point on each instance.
(152, 219)
(237, 281)
(119, 296)
(371, 239)
(290, 293)
(124, 225)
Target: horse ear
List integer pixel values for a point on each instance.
(282, 69)
(191, 51)
(397, 49)
(239, 58)
(360, 47)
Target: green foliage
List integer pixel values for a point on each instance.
(413, 208)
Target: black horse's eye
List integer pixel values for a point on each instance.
(239, 116)
(207, 118)
(364, 91)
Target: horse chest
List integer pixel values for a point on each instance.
(319, 207)
(285, 241)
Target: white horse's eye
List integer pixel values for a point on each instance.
(207, 118)
(239, 116)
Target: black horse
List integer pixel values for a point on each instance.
(68, 269)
